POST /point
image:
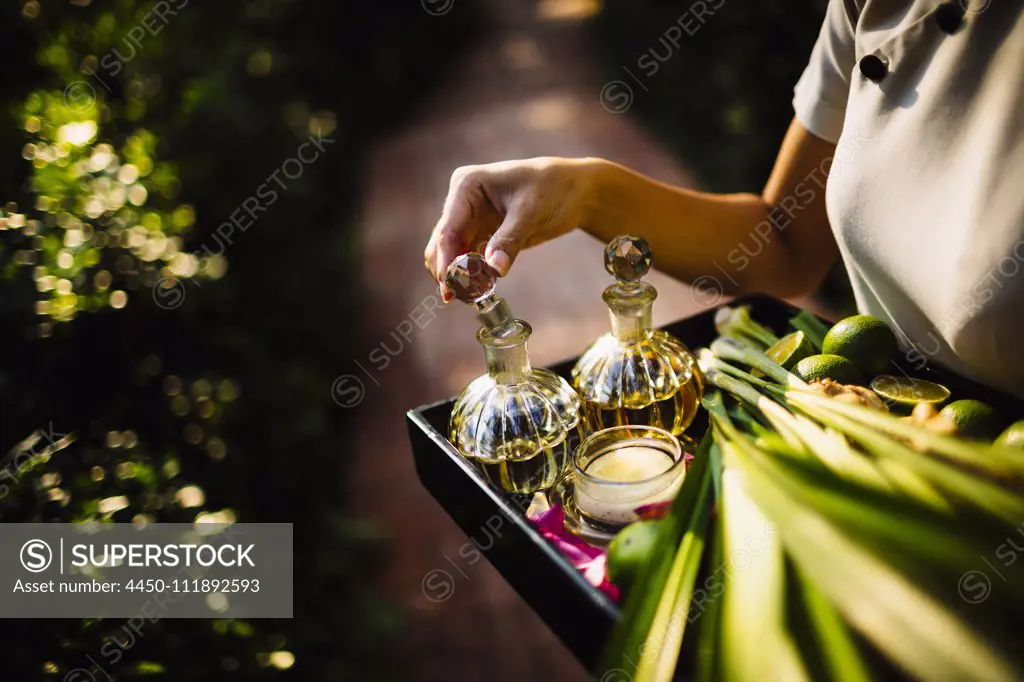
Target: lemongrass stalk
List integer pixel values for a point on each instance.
(753, 606)
(725, 432)
(801, 434)
(733, 380)
(706, 358)
(659, 643)
(942, 546)
(709, 649)
(831, 448)
(965, 485)
(841, 658)
(782, 420)
(813, 328)
(715, 372)
(996, 459)
(729, 349)
(913, 484)
(921, 634)
(773, 412)
(715, 457)
(836, 455)
(669, 625)
(789, 665)
(738, 322)
(852, 506)
(751, 421)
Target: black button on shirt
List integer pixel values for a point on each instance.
(949, 16)
(873, 68)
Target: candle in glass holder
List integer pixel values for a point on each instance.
(620, 469)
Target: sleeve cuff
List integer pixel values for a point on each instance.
(812, 112)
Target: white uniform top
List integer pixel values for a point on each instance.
(925, 100)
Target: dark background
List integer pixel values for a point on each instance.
(228, 381)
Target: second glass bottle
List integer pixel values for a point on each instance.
(635, 374)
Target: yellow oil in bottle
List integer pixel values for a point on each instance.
(674, 412)
(536, 473)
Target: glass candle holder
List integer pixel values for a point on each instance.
(618, 470)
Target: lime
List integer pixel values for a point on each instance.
(973, 419)
(864, 340)
(827, 366)
(790, 349)
(787, 351)
(1013, 436)
(903, 393)
(630, 550)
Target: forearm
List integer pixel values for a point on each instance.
(693, 234)
(778, 242)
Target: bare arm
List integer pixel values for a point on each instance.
(778, 242)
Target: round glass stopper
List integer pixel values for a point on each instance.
(470, 277)
(628, 258)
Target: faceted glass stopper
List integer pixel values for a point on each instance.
(628, 258)
(470, 277)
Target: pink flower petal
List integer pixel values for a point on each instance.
(584, 557)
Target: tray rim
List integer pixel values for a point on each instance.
(514, 515)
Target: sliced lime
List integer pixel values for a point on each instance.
(790, 349)
(787, 351)
(906, 392)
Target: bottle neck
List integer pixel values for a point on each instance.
(631, 325)
(507, 358)
(629, 307)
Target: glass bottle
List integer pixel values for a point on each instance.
(517, 423)
(635, 374)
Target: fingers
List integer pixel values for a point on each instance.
(430, 257)
(456, 222)
(449, 246)
(493, 209)
(467, 222)
(509, 239)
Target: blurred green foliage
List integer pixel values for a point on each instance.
(146, 375)
(717, 77)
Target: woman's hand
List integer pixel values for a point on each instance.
(501, 208)
(777, 242)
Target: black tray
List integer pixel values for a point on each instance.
(581, 615)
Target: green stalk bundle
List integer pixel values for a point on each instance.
(866, 526)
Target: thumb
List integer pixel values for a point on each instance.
(509, 239)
